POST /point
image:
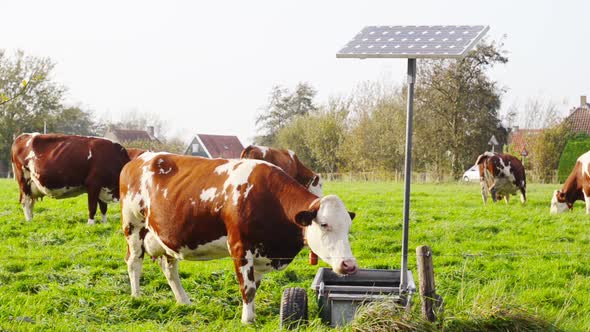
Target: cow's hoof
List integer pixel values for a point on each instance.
(90, 221)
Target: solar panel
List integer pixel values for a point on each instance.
(397, 41)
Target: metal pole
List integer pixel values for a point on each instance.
(408, 173)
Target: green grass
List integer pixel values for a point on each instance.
(493, 265)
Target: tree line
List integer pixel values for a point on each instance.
(32, 101)
(456, 112)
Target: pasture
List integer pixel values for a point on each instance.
(57, 273)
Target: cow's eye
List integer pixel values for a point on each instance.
(324, 225)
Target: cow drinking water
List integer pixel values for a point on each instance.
(576, 187)
(183, 207)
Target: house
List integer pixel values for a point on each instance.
(579, 118)
(215, 146)
(520, 139)
(131, 135)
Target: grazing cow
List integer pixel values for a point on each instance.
(134, 153)
(184, 207)
(61, 166)
(502, 175)
(576, 187)
(287, 160)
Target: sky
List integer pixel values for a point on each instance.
(209, 66)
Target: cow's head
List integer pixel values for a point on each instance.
(559, 203)
(315, 186)
(327, 225)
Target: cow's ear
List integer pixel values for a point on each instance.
(305, 218)
(352, 215)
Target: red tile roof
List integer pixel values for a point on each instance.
(519, 138)
(579, 120)
(221, 146)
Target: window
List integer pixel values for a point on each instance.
(195, 147)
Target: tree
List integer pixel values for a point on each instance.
(327, 135)
(137, 120)
(174, 145)
(317, 138)
(74, 121)
(282, 108)
(376, 135)
(38, 101)
(294, 136)
(546, 150)
(457, 108)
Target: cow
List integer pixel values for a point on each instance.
(61, 166)
(134, 152)
(183, 207)
(576, 187)
(287, 160)
(502, 175)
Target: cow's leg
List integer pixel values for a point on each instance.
(170, 268)
(92, 202)
(26, 195)
(522, 195)
(103, 210)
(507, 198)
(493, 192)
(28, 203)
(587, 200)
(134, 262)
(484, 191)
(133, 229)
(244, 265)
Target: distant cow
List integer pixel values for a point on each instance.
(61, 166)
(287, 160)
(502, 175)
(184, 207)
(576, 187)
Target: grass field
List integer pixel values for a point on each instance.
(493, 265)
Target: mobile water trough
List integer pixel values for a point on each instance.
(340, 296)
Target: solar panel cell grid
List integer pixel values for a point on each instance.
(413, 41)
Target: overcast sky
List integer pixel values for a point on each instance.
(208, 66)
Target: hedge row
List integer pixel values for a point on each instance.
(573, 149)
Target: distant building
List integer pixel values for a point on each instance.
(215, 146)
(579, 118)
(520, 139)
(130, 135)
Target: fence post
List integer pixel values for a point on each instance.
(431, 302)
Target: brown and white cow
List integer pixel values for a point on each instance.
(61, 166)
(576, 187)
(184, 207)
(502, 175)
(287, 160)
(134, 152)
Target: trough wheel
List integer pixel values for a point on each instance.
(293, 308)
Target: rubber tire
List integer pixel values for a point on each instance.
(293, 308)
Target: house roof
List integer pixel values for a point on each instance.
(519, 138)
(127, 135)
(579, 120)
(221, 146)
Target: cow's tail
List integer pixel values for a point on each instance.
(246, 151)
(482, 157)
